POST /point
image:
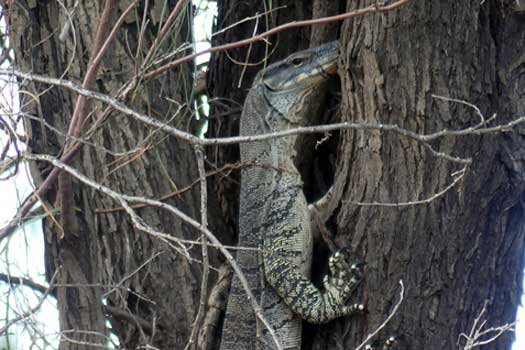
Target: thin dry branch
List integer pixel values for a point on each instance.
(463, 102)
(246, 19)
(103, 39)
(458, 176)
(385, 322)
(131, 274)
(263, 36)
(197, 324)
(64, 337)
(165, 28)
(30, 312)
(124, 200)
(479, 336)
(129, 317)
(226, 168)
(100, 45)
(478, 129)
(81, 140)
(23, 282)
(114, 311)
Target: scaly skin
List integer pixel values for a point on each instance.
(274, 215)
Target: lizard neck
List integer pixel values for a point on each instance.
(259, 117)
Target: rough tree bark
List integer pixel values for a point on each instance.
(461, 249)
(453, 253)
(465, 247)
(149, 289)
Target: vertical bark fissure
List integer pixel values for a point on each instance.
(452, 252)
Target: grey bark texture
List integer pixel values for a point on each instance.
(453, 254)
(465, 247)
(150, 289)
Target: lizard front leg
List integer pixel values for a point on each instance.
(343, 278)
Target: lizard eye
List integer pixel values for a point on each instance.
(297, 61)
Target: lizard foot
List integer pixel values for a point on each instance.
(343, 276)
(343, 280)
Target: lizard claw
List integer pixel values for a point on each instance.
(354, 309)
(387, 344)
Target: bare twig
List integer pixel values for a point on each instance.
(246, 19)
(458, 176)
(140, 225)
(225, 168)
(248, 53)
(263, 36)
(81, 140)
(165, 28)
(468, 104)
(446, 156)
(205, 261)
(382, 325)
(64, 337)
(128, 316)
(114, 311)
(101, 44)
(478, 129)
(30, 312)
(23, 282)
(133, 273)
(479, 336)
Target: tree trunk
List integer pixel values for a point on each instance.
(464, 247)
(149, 289)
(453, 253)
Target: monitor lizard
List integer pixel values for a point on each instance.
(274, 215)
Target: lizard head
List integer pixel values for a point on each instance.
(302, 70)
(287, 84)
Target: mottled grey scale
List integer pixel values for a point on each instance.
(274, 214)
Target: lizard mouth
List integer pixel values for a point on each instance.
(330, 68)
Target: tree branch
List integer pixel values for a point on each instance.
(140, 225)
(30, 312)
(263, 36)
(205, 261)
(23, 282)
(382, 325)
(478, 129)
